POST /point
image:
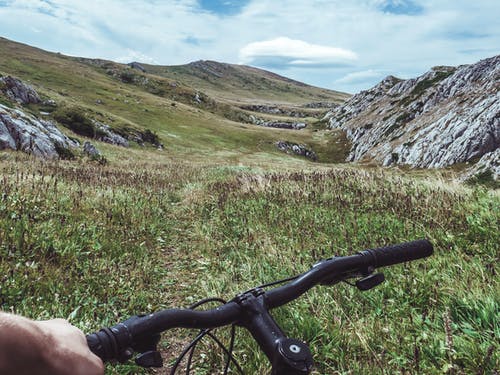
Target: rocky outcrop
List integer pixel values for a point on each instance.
(321, 105)
(90, 150)
(19, 131)
(18, 91)
(273, 110)
(105, 134)
(136, 65)
(277, 124)
(446, 116)
(296, 149)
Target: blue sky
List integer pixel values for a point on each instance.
(342, 45)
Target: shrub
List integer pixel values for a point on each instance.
(484, 177)
(127, 76)
(150, 137)
(75, 119)
(64, 152)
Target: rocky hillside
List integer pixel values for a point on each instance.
(22, 132)
(444, 117)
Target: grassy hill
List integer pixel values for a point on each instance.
(242, 83)
(189, 122)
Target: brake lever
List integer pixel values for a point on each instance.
(368, 279)
(149, 355)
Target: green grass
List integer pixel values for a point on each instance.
(99, 243)
(262, 228)
(244, 84)
(484, 178)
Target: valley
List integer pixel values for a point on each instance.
(205, 185)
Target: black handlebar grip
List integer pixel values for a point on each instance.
(405, 252)
(111, 343)
(96, 345)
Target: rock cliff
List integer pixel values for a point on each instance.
(446, 116)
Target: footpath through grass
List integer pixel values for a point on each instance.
(96, 244)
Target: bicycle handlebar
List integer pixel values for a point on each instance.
(337, 268)
(405, 252)
(141, 333)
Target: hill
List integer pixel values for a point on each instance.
(242, 83)
(220, 209)
(189, 122)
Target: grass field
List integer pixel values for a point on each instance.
(96, 244)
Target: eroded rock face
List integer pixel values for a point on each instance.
(22, 132)
(18, 91)
(446, 116)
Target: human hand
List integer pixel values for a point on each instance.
(51, 347)
(68, 352)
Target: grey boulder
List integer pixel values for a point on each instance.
(18, 91)
(22, 132)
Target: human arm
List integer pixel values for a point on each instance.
(52, 347)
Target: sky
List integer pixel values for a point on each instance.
(337, 44)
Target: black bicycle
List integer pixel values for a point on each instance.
(141, 334)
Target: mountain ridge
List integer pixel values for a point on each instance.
(234, 81)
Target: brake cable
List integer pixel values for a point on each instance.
(190, 348)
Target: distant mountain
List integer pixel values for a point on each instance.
(241, 83)
(446, 116)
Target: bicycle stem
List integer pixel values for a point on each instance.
(288, 356)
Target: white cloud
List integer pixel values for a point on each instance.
(132, 55)
(294, 52)
(362, 76)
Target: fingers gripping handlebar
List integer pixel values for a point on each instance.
(141, 333)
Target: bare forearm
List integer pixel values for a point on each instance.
(21, 344)
(44, 347)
